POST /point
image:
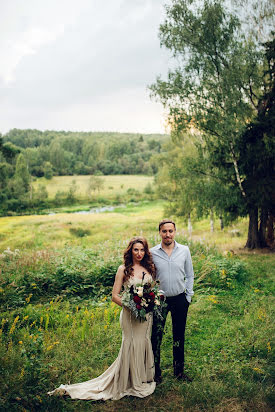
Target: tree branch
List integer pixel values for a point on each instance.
(234, 158)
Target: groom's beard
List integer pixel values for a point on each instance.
(168, 242)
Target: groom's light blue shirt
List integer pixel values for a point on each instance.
(175, 272)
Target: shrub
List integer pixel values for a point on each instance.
(79, 232)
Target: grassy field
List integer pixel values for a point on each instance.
(57, 230)
(114, 185)
(58, 324)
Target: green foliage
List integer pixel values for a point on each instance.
(223, 82)
(85, 153)
(22, 174)
(75, 272)
(95, 184)
(46, 340)
(48, 170)
(26, 153)
(79, 232)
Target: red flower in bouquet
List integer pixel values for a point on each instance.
(137, 299)
(143, 298)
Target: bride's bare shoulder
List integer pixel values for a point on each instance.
(120, 269)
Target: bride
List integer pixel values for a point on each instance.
(132, 373)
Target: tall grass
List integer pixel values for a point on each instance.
(58, 324)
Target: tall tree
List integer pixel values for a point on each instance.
(217, 87)
(22, 174)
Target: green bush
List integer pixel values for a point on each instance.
(74, 271)
(79, 232)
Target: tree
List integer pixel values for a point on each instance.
(57, 158)
(71, 193)
(95, 183)
(48, 170)
(217, 89)
(22, 175)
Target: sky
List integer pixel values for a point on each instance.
(81, 65)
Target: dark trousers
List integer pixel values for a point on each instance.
(178, 306)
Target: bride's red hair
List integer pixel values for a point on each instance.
(147, 261)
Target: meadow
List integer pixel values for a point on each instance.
(59, 325)
(113, 185)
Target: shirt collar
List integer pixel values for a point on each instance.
(176, 245)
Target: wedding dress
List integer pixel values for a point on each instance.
(132, 373)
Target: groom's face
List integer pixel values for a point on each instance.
(167, 233)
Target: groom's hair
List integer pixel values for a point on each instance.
(166, 221)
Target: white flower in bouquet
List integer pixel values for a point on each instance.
(140, 291)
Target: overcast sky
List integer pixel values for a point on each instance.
(81, 65)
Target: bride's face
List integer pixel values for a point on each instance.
(138, 252)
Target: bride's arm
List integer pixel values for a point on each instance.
(118, 285)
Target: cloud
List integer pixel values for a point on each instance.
(65, 55)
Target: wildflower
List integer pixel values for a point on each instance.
(261, 314)
(14, 325)
(1, 290)
(103, 299)
(39, 398)
(28, 298)
(223, 274)
(67, 316)
(212, 298)
(258, 370)
(256, 290)
(268, 347)
(56, 343)
(20, 342)
(51, 302)
(25, 317)
(33, 323)
(50, 347)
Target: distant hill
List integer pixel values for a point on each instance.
(67, 153)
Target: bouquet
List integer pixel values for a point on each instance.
(143, 298)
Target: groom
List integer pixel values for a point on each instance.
(175, 273)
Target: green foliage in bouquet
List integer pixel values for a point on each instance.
(143, 298)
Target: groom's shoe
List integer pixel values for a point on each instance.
(158, 379)
(183, 377)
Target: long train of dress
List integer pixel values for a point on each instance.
(132, 373)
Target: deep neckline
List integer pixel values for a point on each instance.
(140, 279)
